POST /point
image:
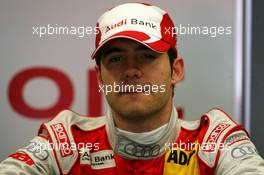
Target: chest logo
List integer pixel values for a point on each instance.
(182, 162)
(98, 160)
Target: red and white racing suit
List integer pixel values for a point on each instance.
(215, 144)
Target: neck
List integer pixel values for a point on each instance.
(146, 123)
(120, 140)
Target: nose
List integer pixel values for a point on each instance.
(132, 70)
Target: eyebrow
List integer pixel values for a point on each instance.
(117, 49)
(112, 50)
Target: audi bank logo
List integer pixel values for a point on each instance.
(133, 21)
(98, 160)
(132, 149)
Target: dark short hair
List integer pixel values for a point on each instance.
(172, 56)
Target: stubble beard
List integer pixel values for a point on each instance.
(150, 109)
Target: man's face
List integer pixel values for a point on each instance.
(126, 62)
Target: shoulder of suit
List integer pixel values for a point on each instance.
(215, 126)
(69, 118)
(219, 126)
(58, 131)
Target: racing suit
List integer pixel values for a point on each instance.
(215, 144)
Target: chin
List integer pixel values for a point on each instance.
(132, 109)
(134, 114)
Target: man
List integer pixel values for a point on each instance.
(138, 66)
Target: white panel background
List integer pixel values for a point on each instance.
(209, 61)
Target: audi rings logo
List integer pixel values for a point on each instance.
(129, 148)
(142, 150)
(243, 151)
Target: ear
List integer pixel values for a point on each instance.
(99, 77)
(177, 70)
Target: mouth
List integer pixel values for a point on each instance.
(136, 92)
(131, 93)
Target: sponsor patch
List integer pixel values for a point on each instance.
(181, 162)
(211, 141)
(102, 159)
(243, 151)
(131, 149)
(62, 139)
(237, 137)
(21, 156)
(85, 158)
(37, 150)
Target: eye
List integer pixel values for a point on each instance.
(149, 56)
(115, 59)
